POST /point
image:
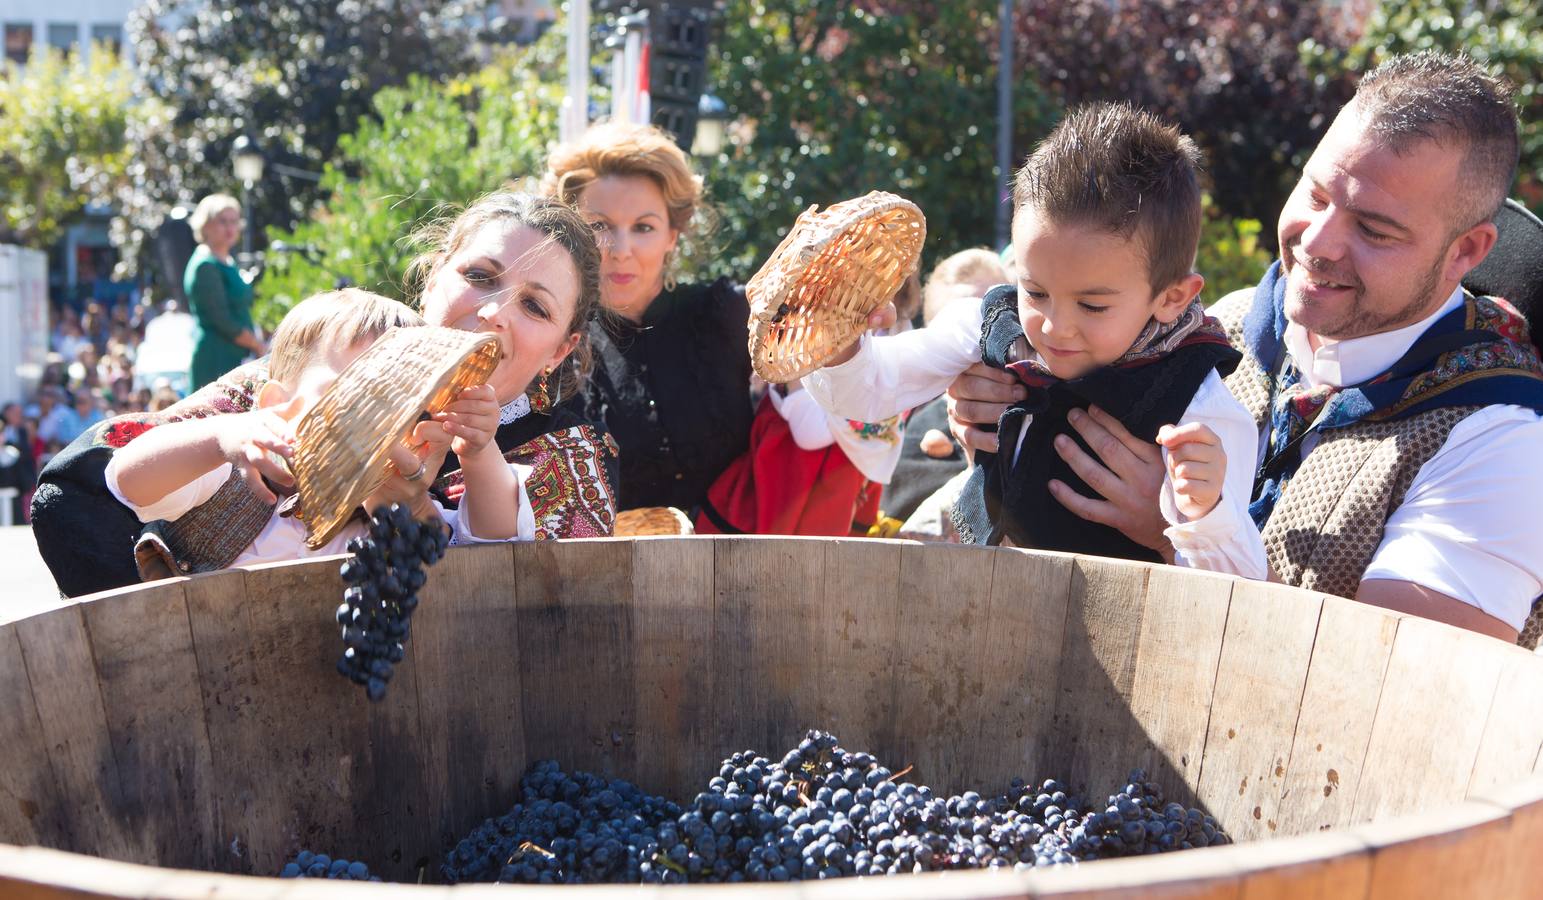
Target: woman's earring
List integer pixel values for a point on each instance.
(542, 403)
(669, 270)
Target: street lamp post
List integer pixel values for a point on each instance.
(247, 160)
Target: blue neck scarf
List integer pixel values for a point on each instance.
(1476, 355)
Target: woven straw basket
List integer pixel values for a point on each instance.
(835, 267)
(652, 520)
(343, 441)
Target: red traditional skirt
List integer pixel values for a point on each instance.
(777, 487)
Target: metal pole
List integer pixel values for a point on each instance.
(1005, 125)
(246, 207)
(632, 57)
(575, 117)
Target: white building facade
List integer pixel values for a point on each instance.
(72, 25)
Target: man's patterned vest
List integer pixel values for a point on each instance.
(1329, 520)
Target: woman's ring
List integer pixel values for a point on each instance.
(422, 467)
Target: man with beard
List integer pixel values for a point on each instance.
(1399, 416)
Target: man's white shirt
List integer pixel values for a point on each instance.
(1467, 527)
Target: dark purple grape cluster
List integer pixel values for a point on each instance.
(384, 577)
(565, 828)
(319, 865)
(818, 812)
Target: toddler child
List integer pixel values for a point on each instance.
(1104, 321)
(207, 487)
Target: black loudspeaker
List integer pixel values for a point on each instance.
(679, 36)
(1514, 268)
(174, 245)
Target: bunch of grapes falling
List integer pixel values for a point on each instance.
(384, 577)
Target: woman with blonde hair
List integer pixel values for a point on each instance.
(221, 299)
(672, 373)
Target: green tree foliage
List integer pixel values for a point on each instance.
(296, 74)
(1232, 256)
(62, 127)
(1229, 72)
(423, 150)
(1506, 35)
(836, 98)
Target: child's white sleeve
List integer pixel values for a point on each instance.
(893, 373)
(460, 528)
(1225, 539)
(176, 504)
(811, 426)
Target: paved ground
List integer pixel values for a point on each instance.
(26, 588)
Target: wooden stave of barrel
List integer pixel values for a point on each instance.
(196, 723)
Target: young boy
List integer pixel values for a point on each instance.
(208, 475)
(1104, 320)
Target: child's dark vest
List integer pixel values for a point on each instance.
(1010, 500)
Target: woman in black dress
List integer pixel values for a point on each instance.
(672, 366)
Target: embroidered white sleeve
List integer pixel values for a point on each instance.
(873, 447)
(1467, 527)
(894, 373)
(176, 504)
(1225, 539)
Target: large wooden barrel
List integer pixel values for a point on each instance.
(198, 723)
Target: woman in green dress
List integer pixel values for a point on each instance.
(220, 298)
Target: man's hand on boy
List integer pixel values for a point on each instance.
(246, 440)
(1196, 466)
(881, 319)
(471, 420)
(978, 397)
(1128, 474)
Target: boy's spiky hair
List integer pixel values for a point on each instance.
(1121, 170)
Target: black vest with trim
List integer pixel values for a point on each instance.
(1012, 501)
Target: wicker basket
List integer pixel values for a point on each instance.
(343, 441)
(649, 521)
(835, 267)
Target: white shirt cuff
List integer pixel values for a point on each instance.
(460, 527)
(176, 504)
(1222, 540)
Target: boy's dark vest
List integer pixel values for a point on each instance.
(1013, 501)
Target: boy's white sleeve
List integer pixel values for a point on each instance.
(176, 504)
(1225, 539)
(893, 373)
(460, 528)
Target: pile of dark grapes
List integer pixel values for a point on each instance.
(384, 577)
(819, 812)
(319, 865)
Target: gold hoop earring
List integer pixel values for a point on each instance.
(542, 402)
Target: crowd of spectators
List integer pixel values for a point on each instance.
(100, 364)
